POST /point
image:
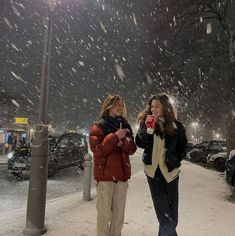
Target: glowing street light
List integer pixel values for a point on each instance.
(195, 124)
(172, 101)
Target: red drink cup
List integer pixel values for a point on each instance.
(150, 124)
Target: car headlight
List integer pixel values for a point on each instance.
(10, 155)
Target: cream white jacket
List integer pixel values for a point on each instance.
(158, 159)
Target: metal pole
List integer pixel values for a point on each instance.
(230, 85)
(28, 133)
(230, 91)
(39, 165)
(87, 178)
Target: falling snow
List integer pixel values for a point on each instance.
(15, 103)
(136, 48)
(81, 63)
(18, 77)
(120, 72)
(209, 28)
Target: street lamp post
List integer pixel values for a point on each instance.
(230, 123)
(39, 165)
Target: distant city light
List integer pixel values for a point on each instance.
(195, 123)
(172, 101)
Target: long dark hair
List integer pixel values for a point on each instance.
(168, 113)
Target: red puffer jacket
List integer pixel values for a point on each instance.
(111, 162)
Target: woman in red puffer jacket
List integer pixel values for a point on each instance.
(111, 141)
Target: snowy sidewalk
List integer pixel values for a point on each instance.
(204, 209)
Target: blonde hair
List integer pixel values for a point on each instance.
(110, 102)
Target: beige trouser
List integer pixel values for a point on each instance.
(111, 199)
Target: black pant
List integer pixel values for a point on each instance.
(165, 199)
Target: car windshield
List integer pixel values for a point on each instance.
(214, 145)
(203, 144)
(64, 141)
(79, 141)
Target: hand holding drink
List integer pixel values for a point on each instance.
(121, 133)
(150, 123)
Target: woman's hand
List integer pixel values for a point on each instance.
(121, 133)
(150, 118)
(150, 121)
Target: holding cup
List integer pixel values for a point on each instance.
(150, 123)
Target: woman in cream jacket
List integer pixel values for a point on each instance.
(163, 152)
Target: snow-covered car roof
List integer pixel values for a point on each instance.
(232, 153)
(220, 154)
(217, 155)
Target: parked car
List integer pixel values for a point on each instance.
(66, 150)
(194, 153)
(203, 144)
(217, 161)
(230, 169)
(190, 146)
(201, 150)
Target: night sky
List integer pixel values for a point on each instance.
(98, 47)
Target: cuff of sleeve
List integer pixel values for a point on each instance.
(112, 138)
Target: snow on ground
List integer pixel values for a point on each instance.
(204, 209)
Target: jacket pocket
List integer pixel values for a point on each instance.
(171, 161)
(100, 165)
